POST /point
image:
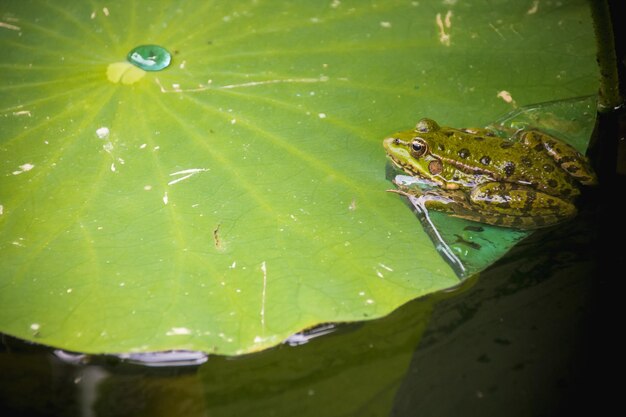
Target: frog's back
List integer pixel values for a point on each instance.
(507, 160)
(536, 167)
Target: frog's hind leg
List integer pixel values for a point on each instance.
(568, 158)
(516, 205)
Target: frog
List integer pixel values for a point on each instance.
(526, 180)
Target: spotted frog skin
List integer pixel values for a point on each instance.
(527, 181)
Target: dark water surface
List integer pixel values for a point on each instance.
(523, 339)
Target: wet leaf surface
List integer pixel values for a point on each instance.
(238, 195)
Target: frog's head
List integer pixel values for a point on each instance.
(410, 150)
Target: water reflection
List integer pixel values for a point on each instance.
(509, 337)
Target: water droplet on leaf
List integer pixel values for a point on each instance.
(150, 57)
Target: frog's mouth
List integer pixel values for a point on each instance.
(398, 154)
(408, 169)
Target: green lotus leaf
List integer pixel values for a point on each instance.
(237, 196)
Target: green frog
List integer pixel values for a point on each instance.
(526, 181)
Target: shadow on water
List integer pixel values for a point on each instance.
(514, 341)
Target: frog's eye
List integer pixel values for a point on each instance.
(418, 148)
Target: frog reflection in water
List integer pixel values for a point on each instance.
(527, 181)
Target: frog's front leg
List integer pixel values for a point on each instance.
(452, 202)
(568, 158)
(520, 206)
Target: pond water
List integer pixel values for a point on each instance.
(520, 340)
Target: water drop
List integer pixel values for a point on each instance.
(150, 57)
